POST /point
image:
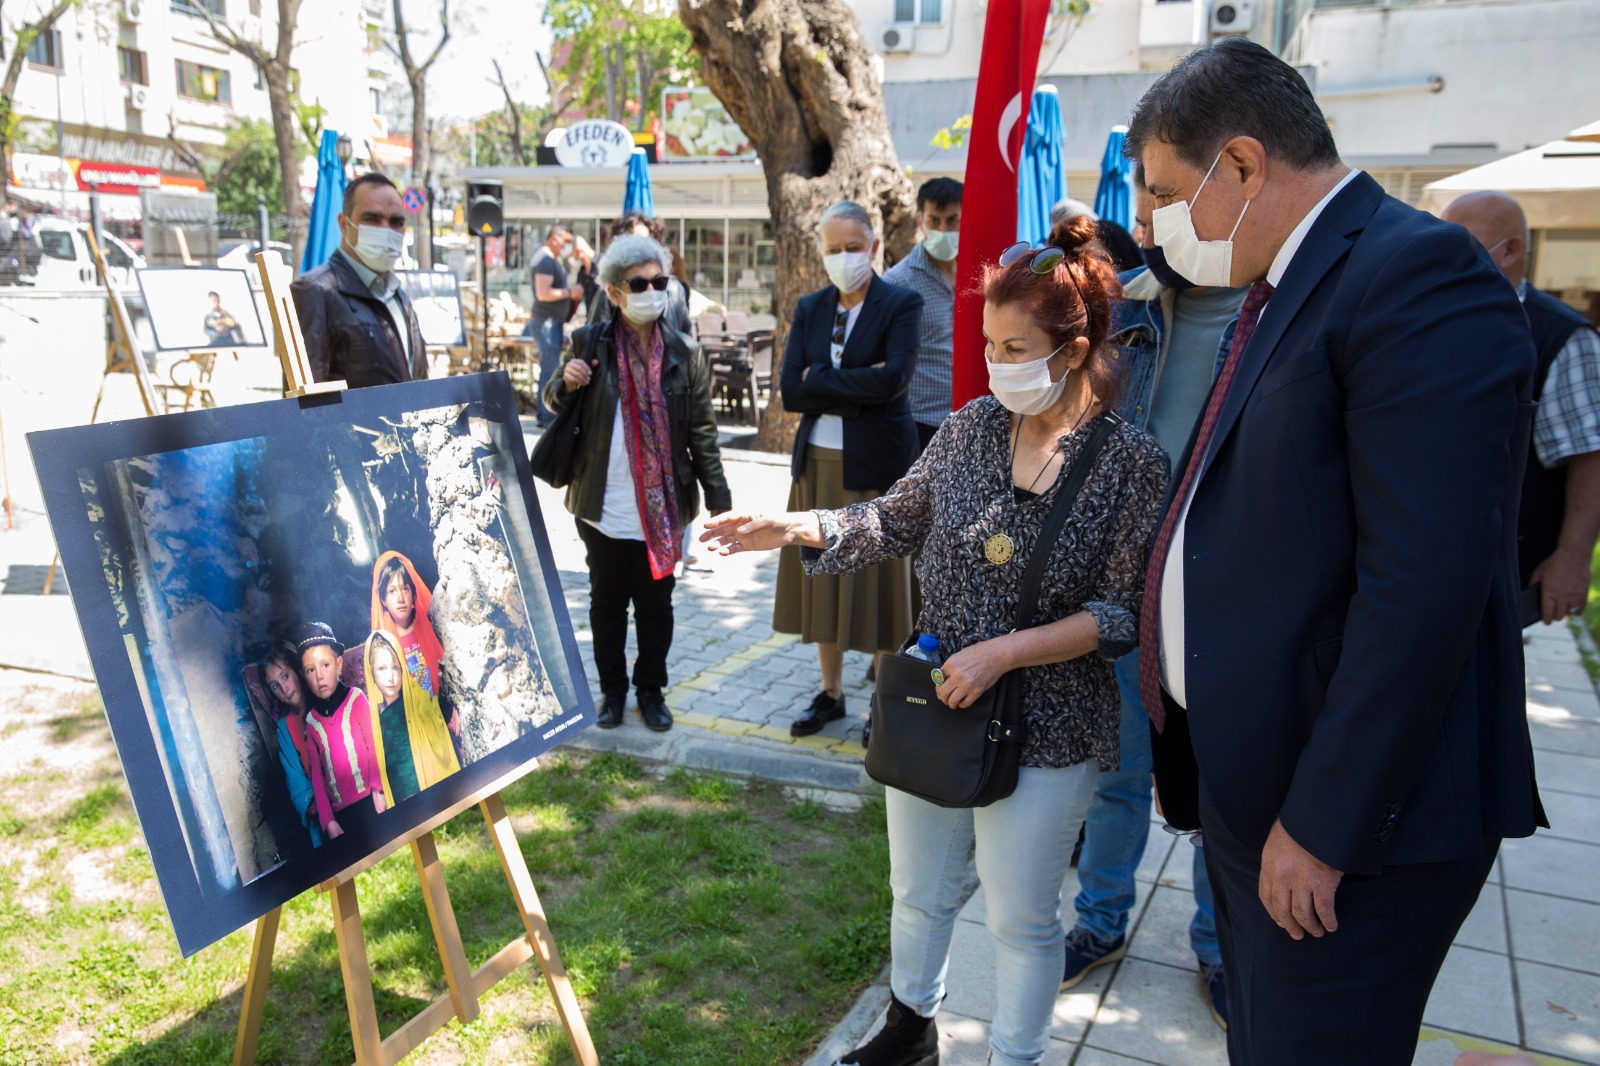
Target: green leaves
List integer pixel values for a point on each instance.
(609, 49)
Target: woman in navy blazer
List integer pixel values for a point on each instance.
(851, 350)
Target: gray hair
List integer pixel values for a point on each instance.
(1067, 207)
(846, 209)
(628, 251)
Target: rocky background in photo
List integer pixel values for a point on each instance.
(492, 666)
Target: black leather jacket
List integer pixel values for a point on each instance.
(350, 333)
(686, 382)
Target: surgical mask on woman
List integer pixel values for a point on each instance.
(379, 247)
(1026, 388)
(643, 307)
(848, 270)
(1203, 263)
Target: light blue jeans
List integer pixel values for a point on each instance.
(1024, 843)
(1115, 831)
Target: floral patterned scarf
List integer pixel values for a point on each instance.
(648, 438)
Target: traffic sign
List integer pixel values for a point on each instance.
(414, 199)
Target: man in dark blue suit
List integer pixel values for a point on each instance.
(1330, 642)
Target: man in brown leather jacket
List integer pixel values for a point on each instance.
(358, 322)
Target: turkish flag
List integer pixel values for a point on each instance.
(1013, 32)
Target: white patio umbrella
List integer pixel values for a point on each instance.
(1557, 184)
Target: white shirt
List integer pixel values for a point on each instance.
(619, 509)
(828, 432)
(1171, 629)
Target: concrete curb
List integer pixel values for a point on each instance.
(856, 1025)
(748, 756)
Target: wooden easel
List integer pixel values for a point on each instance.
(122, 353)
(466, 986)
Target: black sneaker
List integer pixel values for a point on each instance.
(824, 709)
(1216, 992)
(906, 1039)
(1085, 951)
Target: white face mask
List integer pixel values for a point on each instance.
(1201, 262)
(848, 270)
(942, 244)
(1026, 388)
(379, 247)
(646, 306)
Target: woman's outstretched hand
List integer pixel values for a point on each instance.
(733, 532)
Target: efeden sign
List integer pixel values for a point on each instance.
(595, 142)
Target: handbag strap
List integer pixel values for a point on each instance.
(1033, 577)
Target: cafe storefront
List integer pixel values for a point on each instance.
(715, 213)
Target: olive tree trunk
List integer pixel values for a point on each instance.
(798, 78)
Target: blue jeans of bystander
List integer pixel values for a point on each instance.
(1115, 831)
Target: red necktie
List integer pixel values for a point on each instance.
(1150, 611)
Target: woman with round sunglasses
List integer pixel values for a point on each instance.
(974, 506)
(846, 370)
(648, 446)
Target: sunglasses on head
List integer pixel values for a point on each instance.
(658, 283)
(1047, 256)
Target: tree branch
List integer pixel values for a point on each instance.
(185, 153)
(515, 114)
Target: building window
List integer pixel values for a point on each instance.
(377, 101)
(219, 8)
(203, 83)
(255, 8)
(45, 51)
(923, 11)
(131, 66)
(132, 121)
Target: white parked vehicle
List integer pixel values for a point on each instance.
(57, 257)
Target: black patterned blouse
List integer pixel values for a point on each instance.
(958, 495)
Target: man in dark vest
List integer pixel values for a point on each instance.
(1561, 489)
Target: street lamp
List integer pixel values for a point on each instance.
(344, 149)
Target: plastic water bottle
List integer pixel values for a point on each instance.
(927, 650)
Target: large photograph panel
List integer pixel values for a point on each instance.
(315, 624)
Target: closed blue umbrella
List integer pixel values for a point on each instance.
(1113, 200)
(1041, 179)
(323, 235)
(637, 197)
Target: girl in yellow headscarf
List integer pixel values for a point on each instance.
(416, 751)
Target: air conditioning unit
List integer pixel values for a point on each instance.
(896, 38)
(1232, 17)
(139, 97)
(133, 10)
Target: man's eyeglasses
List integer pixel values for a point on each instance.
(658, 283)
(1046, 258)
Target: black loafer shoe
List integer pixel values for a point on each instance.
(610, 715)
(653, 709)
(824, 709)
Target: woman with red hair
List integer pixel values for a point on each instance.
(975, 504)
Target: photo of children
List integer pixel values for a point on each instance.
(341, 745)
(316, 631)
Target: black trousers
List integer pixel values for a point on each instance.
(619, 572)
(1353, 997)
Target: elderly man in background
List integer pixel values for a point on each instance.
(930, 271)
(1560, 516)
(358, 322)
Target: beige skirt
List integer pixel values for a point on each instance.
(870, 610)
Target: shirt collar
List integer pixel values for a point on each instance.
(921, 260)
(1522, 290)
(1280, 262)
(383, 286)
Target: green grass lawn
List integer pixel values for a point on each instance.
(702, 920)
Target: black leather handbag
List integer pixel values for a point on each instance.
(967, 757)
(553, 458)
